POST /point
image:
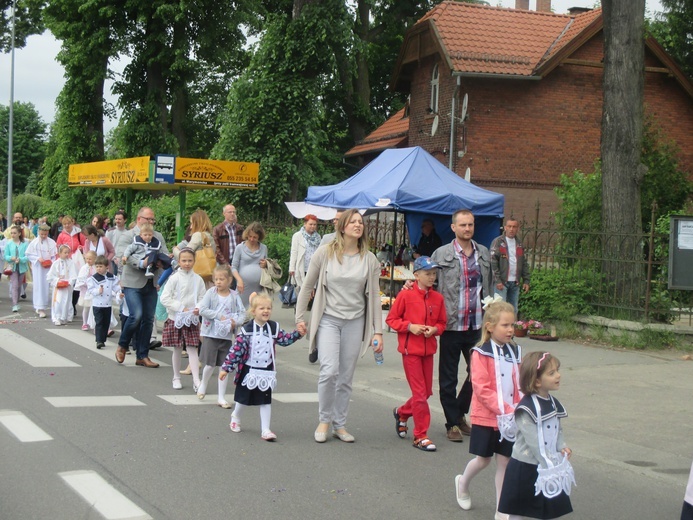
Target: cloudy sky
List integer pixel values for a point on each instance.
(39, 77)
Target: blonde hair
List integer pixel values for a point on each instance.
(224, 268)
(146, 226)
(90, 254)
(199, 222)
(64, 246)
(67, 219)
(336, 247)
(255, 301)
(533, 367)
(492, 317)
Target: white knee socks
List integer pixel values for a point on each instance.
(207, 372)
(265, 415)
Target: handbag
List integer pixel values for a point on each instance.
(205, 260)
(46, 263)
(8, 270)
(287, 294)
(62, 284)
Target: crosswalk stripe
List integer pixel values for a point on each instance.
(32, 353)
(22, 427)
(307, 397)
(188, 400)
(103, 497)
(83, 339)
(96, 401)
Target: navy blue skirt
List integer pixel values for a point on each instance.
(485, 441)
(254, 397)
(518, 498)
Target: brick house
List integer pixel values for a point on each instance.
(533, 85)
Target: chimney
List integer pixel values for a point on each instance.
(573, 11)
(544, 6)
(522, 4)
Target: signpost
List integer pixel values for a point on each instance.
(165, 172)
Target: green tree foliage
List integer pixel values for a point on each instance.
(28, 143)
(28, 21)
(275, 116)
(673, 29)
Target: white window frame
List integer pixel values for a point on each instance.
(435, 89)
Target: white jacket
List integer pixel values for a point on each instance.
(183, 290)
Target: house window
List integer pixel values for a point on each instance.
(434, 89)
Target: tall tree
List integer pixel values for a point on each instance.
(28, 21)
(29, 144)
(673, 28)
(622, 129)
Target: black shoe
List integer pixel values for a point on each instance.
(100, 346)
(23, 296)
(154, 345)
(313, 356)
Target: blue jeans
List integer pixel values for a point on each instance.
(142, 308)
(510, 293)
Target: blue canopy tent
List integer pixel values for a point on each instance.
(413, 182)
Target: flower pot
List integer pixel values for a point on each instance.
(520, 333)
(543, 337)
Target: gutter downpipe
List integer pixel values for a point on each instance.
(451, 160)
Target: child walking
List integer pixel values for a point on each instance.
(539, 476)
(253, 358)
(103, 287)
(221, 310)
(495, 380)
(181, 297)
(418, 316)
(61, 278)
(15, 258)
(85, 272)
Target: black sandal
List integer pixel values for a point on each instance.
(400, 426)
(424, 444)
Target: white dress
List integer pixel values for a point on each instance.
(37, 251)
(61, 299)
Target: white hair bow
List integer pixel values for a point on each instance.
(491, 299)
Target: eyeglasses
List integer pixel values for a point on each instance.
(150, 220)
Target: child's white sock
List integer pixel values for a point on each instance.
(265, 417)
(85, 315)
(194, 360)
(237, 411)
(474, 466)
(207, 372)
(222, 388)
(176, 360)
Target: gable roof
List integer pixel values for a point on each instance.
(393, 133)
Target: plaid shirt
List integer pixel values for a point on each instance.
(232, 240)
(469, 309)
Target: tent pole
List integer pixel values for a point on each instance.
(392, 267)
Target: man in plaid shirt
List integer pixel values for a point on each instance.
(464, 280)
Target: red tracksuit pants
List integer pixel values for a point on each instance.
(419, 373)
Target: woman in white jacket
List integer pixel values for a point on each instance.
(303, 244)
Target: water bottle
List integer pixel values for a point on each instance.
(378, 355)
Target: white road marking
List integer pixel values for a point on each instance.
(22, 427)
(103, 497)
(86, 340)
(94, 401)
(307, 397)
(189, 400)
(32, 353)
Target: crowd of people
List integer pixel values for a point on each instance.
(223, 320)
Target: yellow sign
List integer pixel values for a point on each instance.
(110, 173)
(218, 174)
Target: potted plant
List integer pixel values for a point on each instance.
(537, 331)
(521, 328)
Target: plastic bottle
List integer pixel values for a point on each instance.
(378, 355)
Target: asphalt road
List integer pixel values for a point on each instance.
(102, 440)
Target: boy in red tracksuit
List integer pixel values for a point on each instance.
(418, 315)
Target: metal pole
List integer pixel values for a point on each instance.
(10, 128)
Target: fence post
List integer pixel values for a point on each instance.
(650, 252)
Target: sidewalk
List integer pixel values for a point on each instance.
(632, 410)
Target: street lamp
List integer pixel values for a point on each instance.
(11, 124)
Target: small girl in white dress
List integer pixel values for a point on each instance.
(86, 271)
(61, 278)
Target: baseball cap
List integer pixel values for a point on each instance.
(425, 263)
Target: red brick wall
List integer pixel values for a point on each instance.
(521, 135)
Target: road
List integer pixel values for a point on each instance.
(85, 438)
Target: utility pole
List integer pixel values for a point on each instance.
(10, 129)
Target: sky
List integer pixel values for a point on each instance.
(39, 77)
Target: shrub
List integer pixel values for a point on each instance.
(555, 295)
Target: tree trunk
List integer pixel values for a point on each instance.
(179, 89)
(622, 127)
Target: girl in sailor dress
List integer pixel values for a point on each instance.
(61, 278)
(253, 358)
(181, 296)
(495, 380)
(221, 310)
(85, 272)
(539, 477)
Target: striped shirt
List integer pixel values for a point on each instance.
(469, 307)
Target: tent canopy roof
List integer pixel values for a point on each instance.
(408, 180)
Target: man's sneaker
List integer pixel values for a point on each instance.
(455, 434)
(464, 427)
(149, 272)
